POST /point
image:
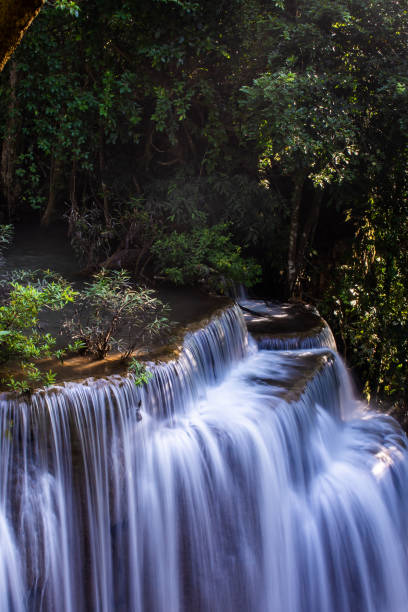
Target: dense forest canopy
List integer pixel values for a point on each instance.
(193, 140)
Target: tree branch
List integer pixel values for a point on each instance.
(15, 17)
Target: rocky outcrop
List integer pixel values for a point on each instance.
(285, 326)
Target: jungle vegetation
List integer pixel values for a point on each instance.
(255, 141)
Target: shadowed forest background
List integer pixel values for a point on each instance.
(260, 142)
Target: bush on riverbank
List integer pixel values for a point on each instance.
(113, 313)
(24, 297)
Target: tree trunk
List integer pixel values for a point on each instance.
(54, 176)
(72, 187)
(148, 152)
(309, 227)
(74, 210)
(103, 184)
(9, 148)
(294, 229)
(291, 8)
(15, 18)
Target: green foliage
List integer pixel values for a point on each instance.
(26, 296)
(302, 120)
(141, 375)
(6, 236)
(90, 238)
(111, 305)
(370, 312)
(73, 347)
(371, 325)
(180, 210)
(18, 386)
(68, 5)
(204, 255)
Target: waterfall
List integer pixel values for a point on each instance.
(238, 479)
(320, 338)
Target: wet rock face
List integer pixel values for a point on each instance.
(286, 326)
(292, 371)
(267, 317)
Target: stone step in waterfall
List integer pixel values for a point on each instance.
(286, 326)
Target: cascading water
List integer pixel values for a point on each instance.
(238, 480)
(321, 338)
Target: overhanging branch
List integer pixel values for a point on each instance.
(15, 17)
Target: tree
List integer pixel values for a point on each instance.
(15, 18)
(316, 113)
(306, 129)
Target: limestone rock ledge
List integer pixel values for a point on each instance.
(287, 326)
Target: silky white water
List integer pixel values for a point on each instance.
(227, 484)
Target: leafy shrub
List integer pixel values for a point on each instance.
(6, 236)
(205, 254)
(141, 375)
(112, 305)
(90, 238)
(24, 296)
(75, 347)
(369, 316)
(183, 204)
